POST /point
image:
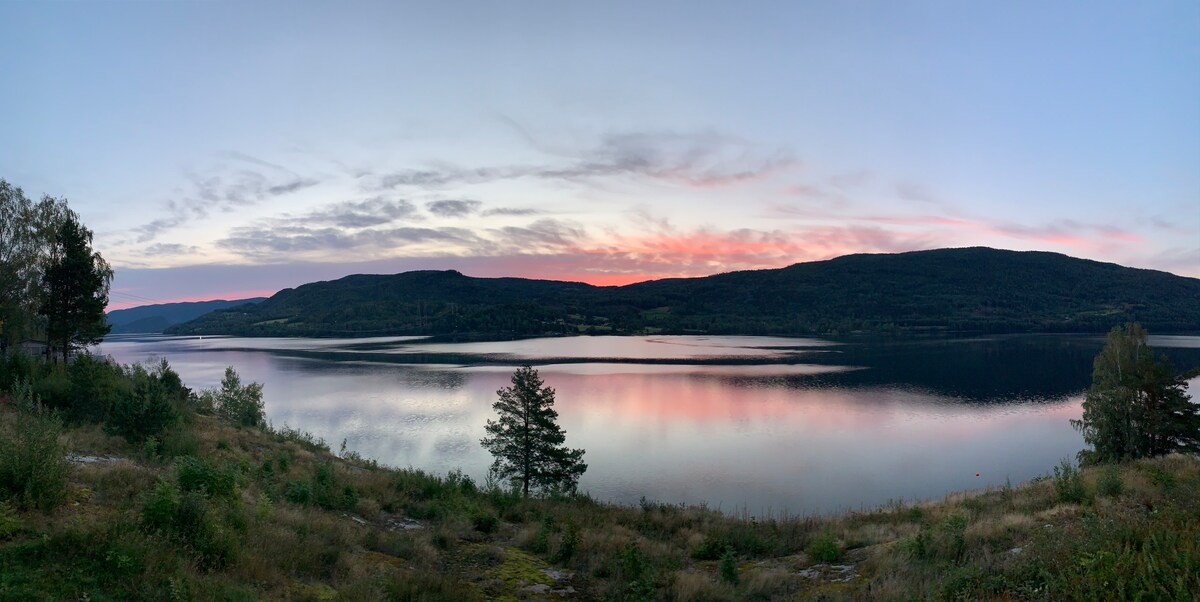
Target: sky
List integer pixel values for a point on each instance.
(231, 149)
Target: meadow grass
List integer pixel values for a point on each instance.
(216, 512)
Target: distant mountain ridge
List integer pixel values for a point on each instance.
(159, 317)
(973, 289)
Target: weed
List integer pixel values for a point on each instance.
(1068, 483)
(33, 466)
(1109, 483)
(824, 548)
(728, 569)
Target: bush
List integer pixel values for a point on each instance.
(1109, 483)
(710, 549)
(238, 404)
(1161, 478)
(33, 466)
(485, 522)
(147, 408)
(299, 491)
(96, 385)
(824, 548)
(569, 544)
(728, 569)
(196, 474)
(1068, 483)
(160, 505)
(187, 518)
(636, 572)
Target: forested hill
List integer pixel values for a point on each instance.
(156, 318)
(973, 289)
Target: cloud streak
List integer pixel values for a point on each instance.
(453, 208)
(250, 182)
(698, 160)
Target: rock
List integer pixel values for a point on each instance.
(558, 575)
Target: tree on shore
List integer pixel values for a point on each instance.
(1137, 405)
(75, 289)
(527, 441)
(27, 236)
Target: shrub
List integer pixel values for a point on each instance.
(541, 541)
(946, 540)
(569, 544)
(160, 505)
(485, 522)
(1161, 478)
(96, 385)
(10, 524)
(33, 466)
(824, 548)
(147, 408)
(1068, 483)
(710, 549)
(197, 474)
(239, 404)
(1109, 483)
(636, 572)
(728, 569)
(298, 491)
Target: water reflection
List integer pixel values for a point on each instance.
(806, 426)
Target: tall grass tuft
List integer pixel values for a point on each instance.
(33, 466)
(1068, 483)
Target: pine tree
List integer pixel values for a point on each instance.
(1137, 405)
(75, 290)
(527, 441)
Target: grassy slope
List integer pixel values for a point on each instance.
(1014, 543)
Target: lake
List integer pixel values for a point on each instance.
(761, 425)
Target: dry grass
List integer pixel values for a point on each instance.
(286, 549)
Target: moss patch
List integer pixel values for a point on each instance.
(519, 569)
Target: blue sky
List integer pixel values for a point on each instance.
(223, 148)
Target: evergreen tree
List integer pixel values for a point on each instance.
(527, 441)
(1137, 405)
(75, 289)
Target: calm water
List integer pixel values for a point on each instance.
(764, 424)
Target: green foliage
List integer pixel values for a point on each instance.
(150, 405)
(96, 385)
(1161, 478)
(569, 544)
(74, 289)
(10, 523)
(28, 247)
(527, 442)
(944, 541)
(636, 574)
(186, 516)
(323, 490)
(710, 548)
(824, 548)
(304, 439)
(239, 404)
(1109, 482)
(485, 522)
(541, 541)
(33, 466)
(728, 568)
(1137, 405)
(199, 475)
(161, 504)
(1068, 483)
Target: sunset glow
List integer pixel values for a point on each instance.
(606, 144)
